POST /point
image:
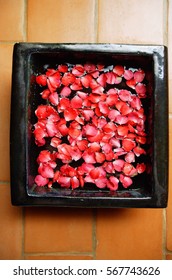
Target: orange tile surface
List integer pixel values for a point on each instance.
(56, 233)
(58, 230)
(12, 20)
(169, 209)
(5, 94)
(130, 22)
(61, 21)
(129, 234)
(11, 227)
(169, 257)
(54, 257)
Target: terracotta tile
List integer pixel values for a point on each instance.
(5, 95)
(123, 21)
(169, 208)
(170, 94)
(11, 227)
(58, 230)
(169, 257)
(129, 234)
(61, 21)
(55, 257)
(12, 20)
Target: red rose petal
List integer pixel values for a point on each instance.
(68, 79)
(141, 167)
(70, 114)
(119, 70)
(76, 102)
(128, 144)
(41, 80)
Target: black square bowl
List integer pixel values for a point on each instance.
(150, 187)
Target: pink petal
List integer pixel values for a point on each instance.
(102, 80)
(90, 130)
(55, 142)
(101, 183)
(112, 78)
(44, 156)
(113, 114)
(89, 157)
(126, 181)
(54, 98)
(139, 151)
(64, 181)
(124, 95)
(129, 169)
(130, 157)
(121, 119)
(118, 164)
(76, 85)
(87, 114)
(113, 183)
(63, 104)
(74, 182)
(104, 109)
(141, 90)
(45, 170)
(78, 70)
(86, 80)
(66, 91)
(89, 67)
(41, 181)
(51, 129)
(100, 157)
(139, 76)
(135, 102)
(128, 74)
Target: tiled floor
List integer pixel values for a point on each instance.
(37, 233)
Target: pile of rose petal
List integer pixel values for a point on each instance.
(94, 121)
